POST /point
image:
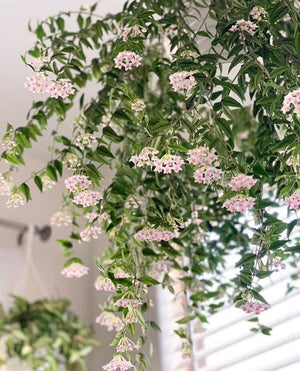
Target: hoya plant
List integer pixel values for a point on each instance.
(196, 108)
(44, 335)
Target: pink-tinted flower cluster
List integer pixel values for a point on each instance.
(132, 203)
(104, 284)
(75, 270)
(125, 303)
(15, 200)
(92, 217)
(152, 234)
(207, 161)
(207, 174)
(160, 268)
(277, 265)
(48, 183)
(77, 183)
(292, 100)
(293, 201)
(182, 80)
(239, 203)
(118, 364)
(61, 219)
(202, 156)
(90, 232)
(41, 83)
(127, 60)
(8, 143)
(61, 88)
(38, 63)
(254, 307)
(85, 140)
(125, 345)
(131, 316)
(109, 320)
(121, 274)
(241, 181)
(131, 32)
(258, 12)
(146, 157)
(87, 198)
(5, 185)
(166, 164)
(244, 26)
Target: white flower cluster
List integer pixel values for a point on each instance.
(130, 32)
(258, 13)
(244, 26)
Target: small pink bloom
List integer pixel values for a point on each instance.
(127, 60)
(75, 270)
(182, 80)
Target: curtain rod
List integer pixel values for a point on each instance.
(44, 233)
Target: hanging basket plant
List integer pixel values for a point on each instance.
(45, 335)
(196, 109)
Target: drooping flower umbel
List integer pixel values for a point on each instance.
(127, 60)
(206, 160)
(244, 26)
(293, 201)
(75, 270)
(166, 164)
(154, 234)
(118, 363)
(239, 203)
(254, 307)
(111, 321)
(241, 181)
(291, 102)
(41, 83)
(182, 80)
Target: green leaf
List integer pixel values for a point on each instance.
(131, 328)
(149, 281)
(277, 244)
(294, 249)
(258, 297)
(231, 102)
(58, 166)
(65, 243)
(149, 252)
(22, 140)
(71, 261)
(50, 171)
(278, 12)
(112, 135)
(25, 190)
(103, 151)
(246, 259)
(297, 43)
(259, 170)
(13, 159)
(40, 33)
(38, 182)
(263, 274)
(265, 330)
(60, 23)
(291, 226)
(80, 21)
(155, 326)
(184, 320)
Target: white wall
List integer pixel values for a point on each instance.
(14, 104)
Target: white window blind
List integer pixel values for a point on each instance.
(228, 344)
